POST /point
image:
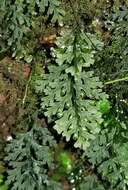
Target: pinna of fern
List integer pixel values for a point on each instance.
(70, 91)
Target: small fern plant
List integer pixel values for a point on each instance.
(30, 156)
(70, 91)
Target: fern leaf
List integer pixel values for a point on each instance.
(54, 9)
(70, 91)
(30, 157)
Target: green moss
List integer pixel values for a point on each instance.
(64, 161)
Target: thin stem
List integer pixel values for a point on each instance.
(116, 80)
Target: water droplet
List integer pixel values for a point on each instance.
(72, 181)
(80, 171)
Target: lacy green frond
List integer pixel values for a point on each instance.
(70, 90)
(30, 156)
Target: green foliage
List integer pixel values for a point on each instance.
(64, 165)
(113, 64)
(70, 90)
(1, 178)
(64, 161)
(19, 20)
(3, 186)
(122, 158)
(108, 154)
(30, 157)
(71, 94)
(54, 10)
(104, 106)
(91, 183)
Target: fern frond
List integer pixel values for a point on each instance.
(70, 91)
(30, 157)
